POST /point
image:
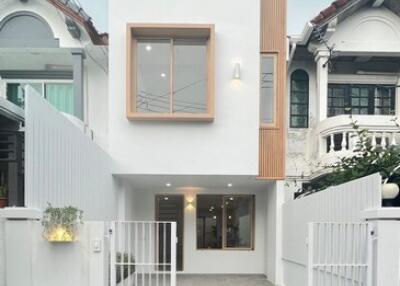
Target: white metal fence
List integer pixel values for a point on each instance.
(143, 253)
(63, 166)
(339, 254)
(340, 204)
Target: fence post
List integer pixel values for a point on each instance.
(370, 253)
(113, 277)
(310, 259)
(173, 253)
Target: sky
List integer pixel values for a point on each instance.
(299, 12)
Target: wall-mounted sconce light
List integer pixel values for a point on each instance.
(189, 203)
(237, 72)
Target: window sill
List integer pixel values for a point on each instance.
(203, 117)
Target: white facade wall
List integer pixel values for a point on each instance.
(48, 13)
(96, 99)
(229, 145)
(140, 206)
(33, 261)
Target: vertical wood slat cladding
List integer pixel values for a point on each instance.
(273, 40)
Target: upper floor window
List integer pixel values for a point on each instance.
(268, 89)
(361, 99)
(299, 99)
(60, 94)
(170, 72)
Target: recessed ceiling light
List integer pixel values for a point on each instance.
(215, 217)
(148, 48)
(166, 199)
(168, 185)
(230, 185)
(163, 75)
(231, 198)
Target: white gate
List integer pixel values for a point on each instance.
(339, 254)
(143, 254)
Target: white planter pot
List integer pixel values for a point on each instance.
(390, 191)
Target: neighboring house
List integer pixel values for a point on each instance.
(346, 62)
(53, 47)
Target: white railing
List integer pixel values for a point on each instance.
(340, 204)
(63, 166)
(339, 254)
(338, 139)
(143, 253)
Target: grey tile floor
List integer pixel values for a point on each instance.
(222, 280)
(202, 280)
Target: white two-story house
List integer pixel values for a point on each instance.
(189, 106)
(346, 62)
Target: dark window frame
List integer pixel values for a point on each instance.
(361, 99)
(304, 103)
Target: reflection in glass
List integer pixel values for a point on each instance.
(267, 90)
(153, 76)
(190, 76)
(238, 217)
(16, 92)
(209, 222)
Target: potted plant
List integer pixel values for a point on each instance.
(3, 197)
(61, 224)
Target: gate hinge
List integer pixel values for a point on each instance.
(110, 231)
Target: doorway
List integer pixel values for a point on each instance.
(171, 208)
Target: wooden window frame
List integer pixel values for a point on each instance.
(169, 31)
(272, 125)
(253, 225)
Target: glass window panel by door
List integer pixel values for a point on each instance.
(239, 224)
(16, 92)
(190, 76)
(61, 96)
(209, 221)
(153, 76)
(267, 100)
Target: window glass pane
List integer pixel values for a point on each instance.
(190, 76)
(209, 221)
(61, 96)
(16, 92)
(238, 217)
(267, 90)
(153, 76)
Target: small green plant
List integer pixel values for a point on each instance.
(60, 224)
(126, 270)
(3, 192)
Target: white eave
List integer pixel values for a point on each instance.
(11, 111)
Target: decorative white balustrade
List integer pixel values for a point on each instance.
(338, 139)
(349, 140)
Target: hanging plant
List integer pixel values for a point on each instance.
(61, 224)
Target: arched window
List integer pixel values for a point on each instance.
(299, 97)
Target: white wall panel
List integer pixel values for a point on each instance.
(343, 203)
(63, 166)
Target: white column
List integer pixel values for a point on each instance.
(18, 245)
(321, 58)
